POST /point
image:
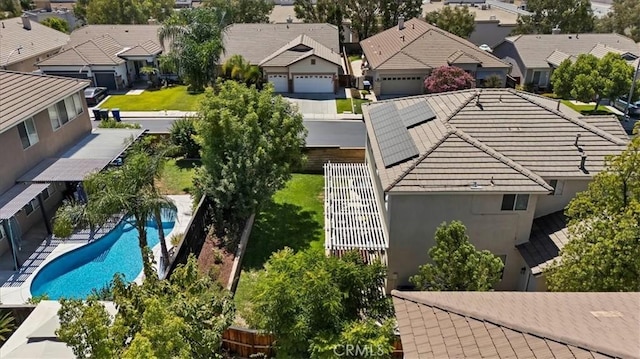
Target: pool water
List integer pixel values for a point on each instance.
(92, 266)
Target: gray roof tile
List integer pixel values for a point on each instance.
(290, 53)
(99, 51)
(39, 40)
(126, 35)
(548, 235)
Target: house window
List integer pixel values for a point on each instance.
(515, 202)
(313, 61)
(558, 186)
(47, 193)
(31, 206)
(78, 103)
(28, 133)
(65, 111)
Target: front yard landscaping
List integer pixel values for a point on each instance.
(172, 98)
(344, 105)
(177, 176)
(587, 109)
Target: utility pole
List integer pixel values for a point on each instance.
(633, 85)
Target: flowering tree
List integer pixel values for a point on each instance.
(448, 78)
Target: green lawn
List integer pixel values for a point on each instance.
(177, 176)
(344, 105)
(353, 58)
(172, 98)
(585, 108)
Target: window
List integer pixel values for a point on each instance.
(65, 111)
(515, 202)
(47, 193)
(78, 103)
(313, 61)
(31, 206)
(558, 186)
(28, 133)
(2, 234)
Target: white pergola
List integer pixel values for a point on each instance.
(352, 217)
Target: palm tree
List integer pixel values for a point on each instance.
(6, 326)
(238, 69)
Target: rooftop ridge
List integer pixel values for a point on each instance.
(70, 79)
(427, 29)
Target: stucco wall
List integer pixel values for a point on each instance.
(321, 67)
(28, 65)
(415, 217)
(548, 204)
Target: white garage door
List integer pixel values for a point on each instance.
(401, 85)
(313, 83)
(280, 82)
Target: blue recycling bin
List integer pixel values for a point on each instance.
(96, 114)
(116, 114)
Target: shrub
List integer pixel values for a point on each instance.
(182, 135)
(111, 123)
(448, 78)
(176, 238)
(355, 93)
(218, 258)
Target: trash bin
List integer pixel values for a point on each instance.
(116, 114)
(96, 114)
(366, 84)
(104, 114)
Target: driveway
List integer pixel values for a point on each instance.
(315, 106)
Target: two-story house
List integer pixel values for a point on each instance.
(496, 159)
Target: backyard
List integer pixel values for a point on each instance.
(584, 108)
(344, 105)
(177, 176)
(172, 98)
(294, 218)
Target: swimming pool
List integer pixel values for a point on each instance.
(92, 266)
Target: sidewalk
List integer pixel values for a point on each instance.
(168, 114)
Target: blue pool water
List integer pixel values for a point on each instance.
(76, 273)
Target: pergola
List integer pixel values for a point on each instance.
(352, 215)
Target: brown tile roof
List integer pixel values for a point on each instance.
(518, 128)
(146, 48)
(101, 50)
(421, 45)
(518, 324)
(126, 35)
(298, 49)
(255, 42)
(39, 40)
(25, 94)
(548, 235)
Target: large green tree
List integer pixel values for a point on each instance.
(591, 79)
(195, 37)
(571, 16)
(624, 19)
(80, 10)
(603, 254)
(391, 10)
(239, 69)
(251, 142)
(10, 8)
(364, 16)
(312, 303)
(321, 11)
(182, 317)
(457, 265)
(125, 11)
(56, 24)
(457, 20)
(244, 11)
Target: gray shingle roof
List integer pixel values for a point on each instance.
(521, 131)
(255, 42)
(518, 324)
(126, 35)
(298, 49)
(39, 40)
(99, 51)
(25, 94)
(548, 235)
(422, 46)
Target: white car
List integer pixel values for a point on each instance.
(485, 47)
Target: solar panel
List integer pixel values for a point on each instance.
(393, 138)
(417, 113)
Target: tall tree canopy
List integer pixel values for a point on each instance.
(571, 16)
(448, 78)
(603, 254)
(251, 141)
(591, 79)
(391, 10)
(457, 265)
(243, 11)
(624, 19)
(364, 16)
(183, 317)
(56, 23)
(311, 302)
(195, 37)
(329, 11)
(125, 11)
(457, 20)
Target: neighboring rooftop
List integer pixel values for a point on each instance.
(99, 51)
(548, 235)
(25, 94)
(483, 12)
(298, 49)
(484, 140)
(125, 35)
(422, 45)
(255, 42)
(518, 324)
(38, 40)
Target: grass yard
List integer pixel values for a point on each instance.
(344, 105)
(177, 176)
(585, 109)
(353, 58)
(172, 98)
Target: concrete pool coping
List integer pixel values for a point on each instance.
(20, 294)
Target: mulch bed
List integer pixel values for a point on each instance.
(207, 258)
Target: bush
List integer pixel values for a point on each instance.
(550, 95)
(218, 258)
(175, 239)
(182, 132)
(111, 123)
(355, 93)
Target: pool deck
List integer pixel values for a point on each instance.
(15, 286)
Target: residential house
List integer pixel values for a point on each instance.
(23, 43)
(294, 57)
(496, 159)
(110, 56)
(399, 59)
(518, 325)
(47, 142)
(534, 57)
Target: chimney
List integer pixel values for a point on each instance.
(555, 30)
(583, 159)
(26, 23)
(400, 22)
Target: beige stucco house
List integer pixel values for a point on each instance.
(398, 60)
(293, 57)
(502, 162)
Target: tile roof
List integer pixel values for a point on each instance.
(508, 136)
(548, 235)
(126, 35)
(298, 49)
(255, 42)
(535, 49)
(421, 45)
(146, 48)
(102, 50)
(39, 40)
(25, 94)
(518, 324)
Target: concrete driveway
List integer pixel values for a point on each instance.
(315, 106)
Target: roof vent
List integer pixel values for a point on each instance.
(289, 19)
(576, 141)
(400, 22)
(555, 30)
(475, 185)
(478, 104)
(402, 37)
(583, 159)
(26, 22)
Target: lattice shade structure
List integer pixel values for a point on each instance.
(352, 216)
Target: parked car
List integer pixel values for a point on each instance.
(95, 94)
(634, 108)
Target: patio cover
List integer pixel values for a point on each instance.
(93, 153)
(14, 199)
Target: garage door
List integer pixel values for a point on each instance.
(313, 83)
(280, 82)
(401, 85)
(106, 79)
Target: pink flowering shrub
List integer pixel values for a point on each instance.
(448, 78)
